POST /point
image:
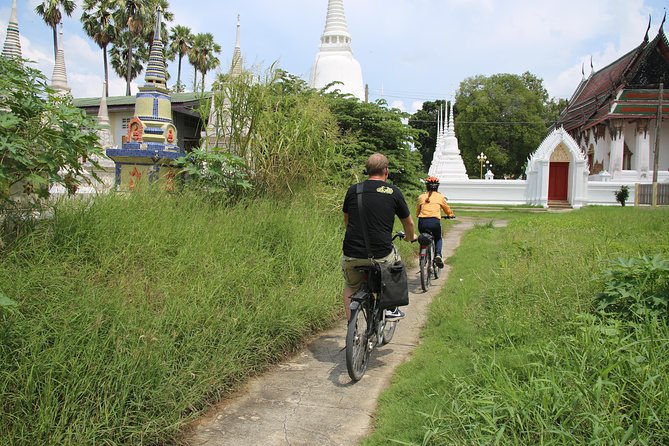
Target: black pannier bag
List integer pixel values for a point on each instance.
(394, 285)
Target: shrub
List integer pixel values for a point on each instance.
(635, 287)
(622, 195)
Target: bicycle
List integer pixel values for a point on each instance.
(367, 327)
(428, 266)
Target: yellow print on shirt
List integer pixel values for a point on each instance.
(385, 190)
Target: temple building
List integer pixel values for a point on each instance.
(447, 164)
(335, 61)
(613, 113)
(12, 47)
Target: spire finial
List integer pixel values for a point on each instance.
(236, 67)
(159, 11)
(645, 39)
(663, 19)
(238, 39)
(451, 120)
(592, 67)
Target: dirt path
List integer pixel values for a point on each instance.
(309, 399)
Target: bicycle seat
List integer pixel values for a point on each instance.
(424, 238)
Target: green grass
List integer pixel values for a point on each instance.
(513, 353)
(135, 312)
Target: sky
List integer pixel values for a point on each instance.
(410, 50)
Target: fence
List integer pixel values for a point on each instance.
(644, 194)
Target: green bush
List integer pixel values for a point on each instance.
(636, 288)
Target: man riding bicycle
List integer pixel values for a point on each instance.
(430, 204)
(382, 202)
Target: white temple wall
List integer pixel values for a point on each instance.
(600, 193)
(117, 126)
(511, 192)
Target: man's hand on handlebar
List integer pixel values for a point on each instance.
(402, 235)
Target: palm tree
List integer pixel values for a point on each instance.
(132, 18)
(181, 40)
(98, 22)
(202, 56)
(119, 54)
(138, 17)
(49, 10)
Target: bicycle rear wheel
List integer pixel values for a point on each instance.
(424, 274)
(357, 351)
(388, 331)
(429, 265)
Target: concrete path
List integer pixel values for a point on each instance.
(309, 399)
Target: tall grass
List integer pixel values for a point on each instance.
(515, 353)
(135, 312)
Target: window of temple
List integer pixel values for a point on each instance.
(124, 123)
(591, 157)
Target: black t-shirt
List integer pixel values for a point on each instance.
(382, 201)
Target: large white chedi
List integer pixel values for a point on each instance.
(447, 164)
(335, 61)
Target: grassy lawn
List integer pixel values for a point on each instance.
(514, 353)
(135, 312)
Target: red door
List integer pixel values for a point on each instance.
(557, 181)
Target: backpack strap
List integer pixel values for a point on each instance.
(361, 214)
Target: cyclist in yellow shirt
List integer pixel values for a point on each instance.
(429, 208)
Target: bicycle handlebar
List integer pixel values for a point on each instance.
(446, 217)
(400, 235)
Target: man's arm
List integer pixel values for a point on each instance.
(409, 229)
(345, 218)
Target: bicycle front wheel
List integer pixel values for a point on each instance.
(357, 341)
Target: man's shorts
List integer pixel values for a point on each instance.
(353, 278)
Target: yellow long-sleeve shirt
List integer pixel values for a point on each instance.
(433, 208)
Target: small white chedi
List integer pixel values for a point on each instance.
(447, 164)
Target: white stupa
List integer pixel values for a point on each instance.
(59, 77)
(335, 61)
(447, 164)
(12, 47)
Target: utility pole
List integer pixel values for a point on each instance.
(656, 157)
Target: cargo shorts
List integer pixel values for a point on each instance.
(353, 278)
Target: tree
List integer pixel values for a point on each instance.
(503, 116)
(137, 20)
(44, 139)
(50, 11)
(202, 56)
(425, 120)
(181, 40)
(119, 58)
(373, 127)
(98, 23)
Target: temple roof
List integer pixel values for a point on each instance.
(187, 103)
(597, 96)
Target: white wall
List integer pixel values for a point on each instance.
(602, 193)
(485, 191)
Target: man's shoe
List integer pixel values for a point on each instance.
(439, 262)
(394, 315)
